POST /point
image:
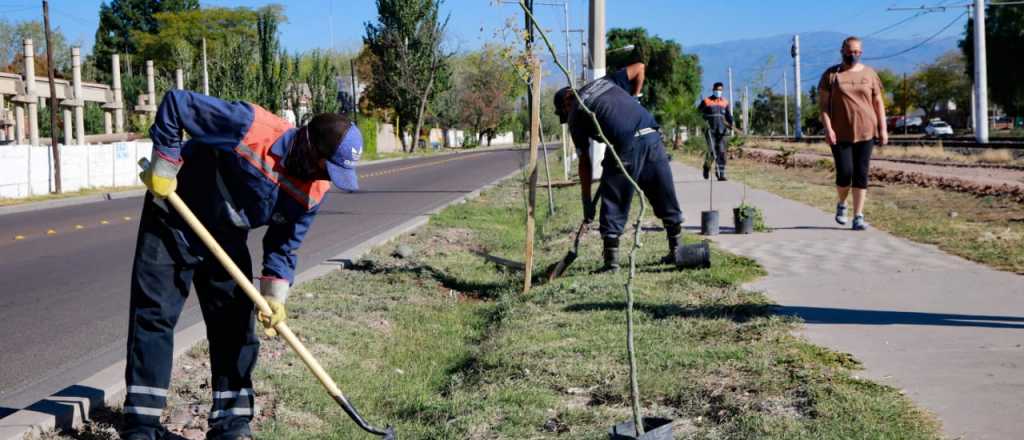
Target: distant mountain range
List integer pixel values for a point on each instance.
(818, 51)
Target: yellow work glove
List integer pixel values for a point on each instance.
(270, 321)
(161, 176)
(275, 291)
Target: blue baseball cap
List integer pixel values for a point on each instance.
(341, 166)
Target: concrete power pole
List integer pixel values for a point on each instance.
(980, 74)
(785, 103)
(597, 70)
(746, 109)
(731, 111)
(566, 155)
(797, 129)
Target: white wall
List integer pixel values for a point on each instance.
(502, 139)
(81, 167)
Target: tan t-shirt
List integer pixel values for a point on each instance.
(849, 99)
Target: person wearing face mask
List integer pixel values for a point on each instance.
(715, 110)
(850, 96)
(241, 168)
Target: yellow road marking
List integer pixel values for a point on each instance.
(79, 226)
(51, 232)
(104, 222)
(19, 237)
(126, 218)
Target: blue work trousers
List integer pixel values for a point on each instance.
(648, 163)
(169, 260)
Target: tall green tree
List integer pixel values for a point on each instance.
(406, 44)
(943, 81)
(488, 87)
(673, 78)
(1004, 33)
(119, 19)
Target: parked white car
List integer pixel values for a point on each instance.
(938, 128)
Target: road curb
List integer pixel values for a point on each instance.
(67, 408)
(70, 201)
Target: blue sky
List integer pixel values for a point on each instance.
(312, 23)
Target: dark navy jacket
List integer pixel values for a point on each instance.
(247, 146)
(716, 113)
(618, 112)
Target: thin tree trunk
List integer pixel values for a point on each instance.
(423, 108)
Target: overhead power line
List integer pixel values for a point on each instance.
(922, 43)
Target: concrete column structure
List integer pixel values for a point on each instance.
(150, 85)
(68, 140)
(19, 124)
(115, 63)
(179, 79)
(79, 101)
(108, 125)
(30, 93)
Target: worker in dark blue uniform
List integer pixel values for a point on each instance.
(715, 110)
(633, 133)
(241, 168)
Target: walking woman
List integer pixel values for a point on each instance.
(850, 97)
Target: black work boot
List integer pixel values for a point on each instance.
(673, 233)
(611, 254)
(707, 171)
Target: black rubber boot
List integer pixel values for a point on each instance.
(707, 171)
(611, 254)
(673, 233)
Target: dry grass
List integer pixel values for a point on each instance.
(930, 154)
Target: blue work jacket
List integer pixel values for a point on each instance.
(247, 147)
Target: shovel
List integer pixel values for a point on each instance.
(556, 270)
(282, 328)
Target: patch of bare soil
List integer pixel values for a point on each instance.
(976, 181)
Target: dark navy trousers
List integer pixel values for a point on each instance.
(648, 163)
(169, 259)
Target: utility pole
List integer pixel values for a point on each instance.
(731, 108)
(785, 103)
(355, 97)
(906, 104)
(53, 101)
(746, 109)
(206, 74)
(795, 50)
(597, 70)
(980, 74)
(566, 156)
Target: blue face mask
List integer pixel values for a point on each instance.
(718, 93)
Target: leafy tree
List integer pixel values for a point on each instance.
(12, 47)
(1004, 33)
(943, 81)
(323, 84)
(767, 113)
(120, 19)
(673, 78)
(891, 82)
(407, 58)
(487, 91)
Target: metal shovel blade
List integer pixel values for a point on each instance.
(556, 270)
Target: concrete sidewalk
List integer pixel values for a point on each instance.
(947, 331)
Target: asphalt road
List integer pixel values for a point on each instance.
(64, 272)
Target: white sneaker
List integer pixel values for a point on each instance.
(841, 214)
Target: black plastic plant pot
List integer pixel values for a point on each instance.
(744, 223)
(694, 256)
(655, 428)
(709, 223)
